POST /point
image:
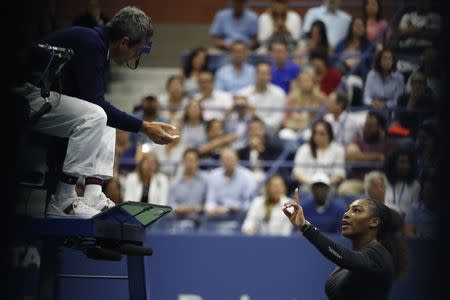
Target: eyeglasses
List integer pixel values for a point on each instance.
(147, 48)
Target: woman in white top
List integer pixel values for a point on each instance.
(279, 22)
(403, 188)
(147, 184)
(265, 216)
(321, 154)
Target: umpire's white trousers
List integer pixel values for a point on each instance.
(90, 151)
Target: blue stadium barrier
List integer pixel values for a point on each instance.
(204, 267)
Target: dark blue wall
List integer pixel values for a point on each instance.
(228, 267)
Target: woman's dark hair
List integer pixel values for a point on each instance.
(320, 53)
(329, 130)
(363, 41)
(377, 60)
(390, 165)
(390, 235)
(187, 68)
(379, 15)
(323, 33)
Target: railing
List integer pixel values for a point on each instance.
(309, 4)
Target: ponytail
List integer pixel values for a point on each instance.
(390, 235)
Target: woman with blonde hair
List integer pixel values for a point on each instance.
(146, 184)
(265, 215)
(305, 95)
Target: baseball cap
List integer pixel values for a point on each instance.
(320, 178)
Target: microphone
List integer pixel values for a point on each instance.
(136, 63)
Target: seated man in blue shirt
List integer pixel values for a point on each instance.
(235, 23)
(237, 74)
(326, 213)
(188, 190)
(284, 70)
(124, 38)
(230, 187)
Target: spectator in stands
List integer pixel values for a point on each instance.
(150, 113)
(146, 184)
(235, 23)
(193, 132)
(265, 216)
(419, 104)
(260, 147)
(126, 154)
(196, 61)
(126, 36)
(336, 20)
(268, 99)
(284, 70)
(427, 146)
(347, 126)
(327, 77)
(216, 141)
(230, 187)
(113, 190)
(376, 25)
(93, 16)
(214, 102)
(383, 84)
(279, 23)
(431, 66)
(237, 74)
(172, 102)
(305, 102)
(403, 188)
(169, 156)
(321, 154)
(348, 52)
(372, 148)
(422, 217)
(188, 190)
(419, 28)
(322, 210)
(237, 119)
(315, 38)
(375, 184)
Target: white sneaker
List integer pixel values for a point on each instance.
(73, 208)
(103, 203)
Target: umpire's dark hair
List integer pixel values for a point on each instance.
(131, 22)
(390, 235)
